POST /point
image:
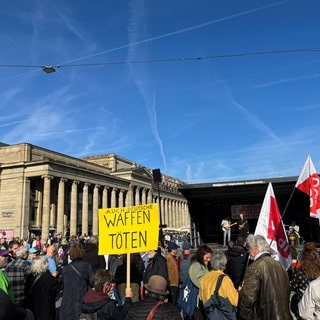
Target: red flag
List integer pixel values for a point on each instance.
(271, 227)
(309, 183)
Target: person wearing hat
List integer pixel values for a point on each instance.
(184, 261)
(154, 303)
(32, 254)
(173, 271)
(5, 283)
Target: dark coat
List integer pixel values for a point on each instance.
(74, 288)
(100, 302)
(156, 266)
(237, 261)
(7, 311)
(42, 295)
(121, 274)
(140, 310)
(266, 291)
(91, 256)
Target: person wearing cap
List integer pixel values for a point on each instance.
(5, 283)
(154, 301)
(32, 254)
(173, 271)
(184, 261)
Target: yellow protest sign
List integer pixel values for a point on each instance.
(128, 229)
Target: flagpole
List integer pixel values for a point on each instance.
(286, 207)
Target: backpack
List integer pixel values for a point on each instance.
(219, 308)
(188, 296)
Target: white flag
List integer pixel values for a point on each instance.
(270, 226)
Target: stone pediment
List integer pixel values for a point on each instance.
(137, 173)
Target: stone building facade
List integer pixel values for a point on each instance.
(42, 191)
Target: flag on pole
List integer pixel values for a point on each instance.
(309, 183)
(271, 227)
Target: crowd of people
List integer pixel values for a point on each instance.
(66, 279)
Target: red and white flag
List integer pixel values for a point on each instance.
(271, 227)
(309, 183)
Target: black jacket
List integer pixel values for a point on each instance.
(156, 266)
(95, 301)
(141, 309)
(91, 256)
(41, 293)
(237, 261)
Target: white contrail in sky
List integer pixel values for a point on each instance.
(169, 34)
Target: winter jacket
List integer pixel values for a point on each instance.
(237, 261)
(196, 272)
(208, 284)
(309, 305)
(184, 262)
(156, 266)
(74, 288)
(140, 310)
(91, 256)
(42, 291)
(173, 270)
(100, 302)
(266, 291)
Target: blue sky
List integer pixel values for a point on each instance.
(199, 120)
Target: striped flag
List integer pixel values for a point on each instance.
(309, 183)
(271, 227)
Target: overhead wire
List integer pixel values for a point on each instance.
(220, 56)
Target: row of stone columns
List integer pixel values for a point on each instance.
(174, 212)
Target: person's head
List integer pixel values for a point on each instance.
(32, 253)
(310, 263)
(102, 280)
(39, 265)
(151, 253)
(51, 250)
(257, 244)
(76, 251)
(22, 252)
(3, 257)
(157, 285)
(241, 241)
(241, 215)
(219, 261)
(186, 247)
(14, 245)
(203, 255)
(93, 239)
(230, 244)
(172, 248)
(3, 240)
(310, 245)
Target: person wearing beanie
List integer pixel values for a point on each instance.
(184, 261)
(173, 271)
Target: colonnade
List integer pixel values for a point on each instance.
(64, 204)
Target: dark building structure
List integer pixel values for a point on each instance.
(209, 203)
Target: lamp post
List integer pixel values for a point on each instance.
(157, 179)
